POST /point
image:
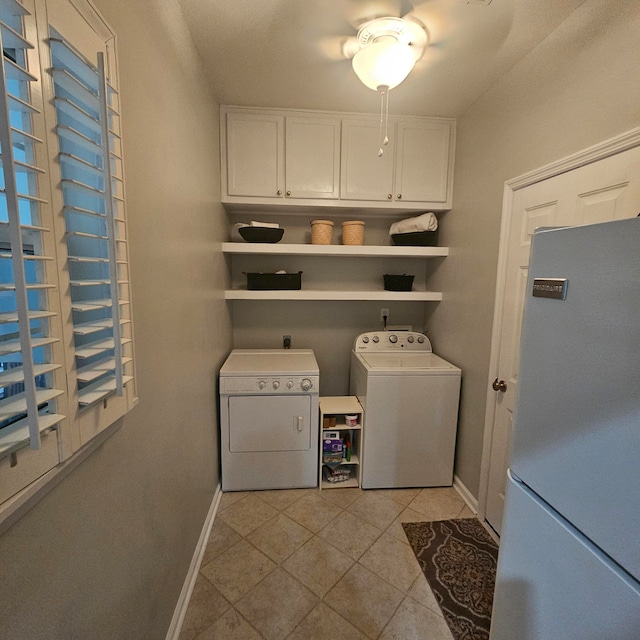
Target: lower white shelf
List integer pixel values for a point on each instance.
(310, 294)
(347, 484)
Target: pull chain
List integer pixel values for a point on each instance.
(384, 117)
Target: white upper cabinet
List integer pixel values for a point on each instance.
(319, 159)
(312, 157)
(415, 168)
(255, 155)
(364, 174)
(424, 162)
(277, 156)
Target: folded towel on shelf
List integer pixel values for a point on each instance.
(424, 222)
(270, 225)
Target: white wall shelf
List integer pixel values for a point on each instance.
(310, 294)
(369, 293)
(362, 251)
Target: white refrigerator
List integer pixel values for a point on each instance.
(569, 561)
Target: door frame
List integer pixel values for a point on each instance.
(612, 146)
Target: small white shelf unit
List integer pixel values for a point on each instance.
(354, 251)
(337, 407)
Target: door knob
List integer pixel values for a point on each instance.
(499, 385)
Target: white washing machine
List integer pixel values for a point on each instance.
(269, 419)
(410, 398)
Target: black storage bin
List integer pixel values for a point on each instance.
(416, 238)
(398, 282)
(267, 281)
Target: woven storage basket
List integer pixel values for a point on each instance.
(353, 232)
(321, 231)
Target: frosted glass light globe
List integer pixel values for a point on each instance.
(385, 62)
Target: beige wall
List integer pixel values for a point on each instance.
(579, 87)
(105, 554)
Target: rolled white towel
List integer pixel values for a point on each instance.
(425, 222)
(270, 225)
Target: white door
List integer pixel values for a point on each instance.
(608, 189)
(269, 423)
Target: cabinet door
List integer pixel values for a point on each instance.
(365, 175)
(255, 155)
(423, 167)
(312, 157)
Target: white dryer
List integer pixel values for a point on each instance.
(269, 419)
(410, 398)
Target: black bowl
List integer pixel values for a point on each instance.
(416, 238)
(261, 234)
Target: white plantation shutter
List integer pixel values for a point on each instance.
(28, 287)
(66, 352)
(93, 198)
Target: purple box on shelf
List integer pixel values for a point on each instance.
(332, 445)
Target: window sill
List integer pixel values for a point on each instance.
(16, 506)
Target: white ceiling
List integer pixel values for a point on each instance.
(286, 53)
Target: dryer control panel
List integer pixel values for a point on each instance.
(269, 385)
(392, 341)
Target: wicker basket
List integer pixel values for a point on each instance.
(321, 231)
(353, 232)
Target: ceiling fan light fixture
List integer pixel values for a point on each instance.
(386, 62)
(388, 50)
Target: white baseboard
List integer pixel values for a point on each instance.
(187, 588)
(472, 503)
(465, 494)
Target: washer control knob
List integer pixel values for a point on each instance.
(420, 339)
(376, 339)
(261, 384)
(393, 338)
(410, 339)
(289, 384)
(306, 384)
(276, 384)
(365, 339)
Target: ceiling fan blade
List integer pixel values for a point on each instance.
(338, 47)
(360, 11)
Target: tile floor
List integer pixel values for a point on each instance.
(305, 564)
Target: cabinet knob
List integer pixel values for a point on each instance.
(279, 192)
(399, 196)
(288, 193)
(389, 196)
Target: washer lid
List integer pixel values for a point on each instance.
(406, 362)
(278, 362)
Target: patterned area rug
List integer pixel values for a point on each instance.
(458, 559)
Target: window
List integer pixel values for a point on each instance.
(66, 352)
